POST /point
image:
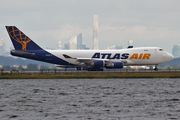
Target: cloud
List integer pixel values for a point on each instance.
(139, 32)
(141, 35)
(64, 34)
(144, 21)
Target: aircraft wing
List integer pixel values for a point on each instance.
(84, 59)
(89, 61)
(92, 59)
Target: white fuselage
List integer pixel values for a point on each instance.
(132, 56)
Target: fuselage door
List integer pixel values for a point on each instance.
(155, 50)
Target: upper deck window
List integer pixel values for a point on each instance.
(161, 50)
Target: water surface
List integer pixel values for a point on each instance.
(96, 99)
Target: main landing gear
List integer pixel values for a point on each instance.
(95, 69)
(156, 68)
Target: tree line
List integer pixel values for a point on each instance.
(30, 67)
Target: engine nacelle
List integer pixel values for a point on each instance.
(115, 65)
(98, 63)
(118, 64)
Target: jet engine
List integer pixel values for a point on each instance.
(98, 63)
(115, 65)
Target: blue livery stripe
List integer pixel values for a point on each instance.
(44, 56)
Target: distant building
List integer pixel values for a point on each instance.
(79, 41)
(176, 51)
(95, 32)
(84, 47)
(76, 42)
(130, 42)
(66, 46)
(114, 47)
(60, 46)
(73, 43)
(119, 47)
(2, 47)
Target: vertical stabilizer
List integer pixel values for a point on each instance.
(20, 40)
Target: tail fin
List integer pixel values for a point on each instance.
(20, 40)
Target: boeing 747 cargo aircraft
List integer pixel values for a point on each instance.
(90, 59)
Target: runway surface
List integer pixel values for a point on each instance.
(96, 99)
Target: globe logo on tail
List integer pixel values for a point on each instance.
(18, 36)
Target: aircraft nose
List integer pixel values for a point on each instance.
(169, 57)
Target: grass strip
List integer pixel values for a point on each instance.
(90, 75)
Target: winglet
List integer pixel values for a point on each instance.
(20, 40)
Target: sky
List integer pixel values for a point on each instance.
(149, 23)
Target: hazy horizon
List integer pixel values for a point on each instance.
(148, 23)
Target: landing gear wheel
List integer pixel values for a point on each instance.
(156, 68)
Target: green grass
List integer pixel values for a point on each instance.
(90, 75)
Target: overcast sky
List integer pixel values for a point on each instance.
(154, 23)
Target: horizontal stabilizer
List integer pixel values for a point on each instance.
(16, 52)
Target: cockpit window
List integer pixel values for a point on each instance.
(161, 50)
